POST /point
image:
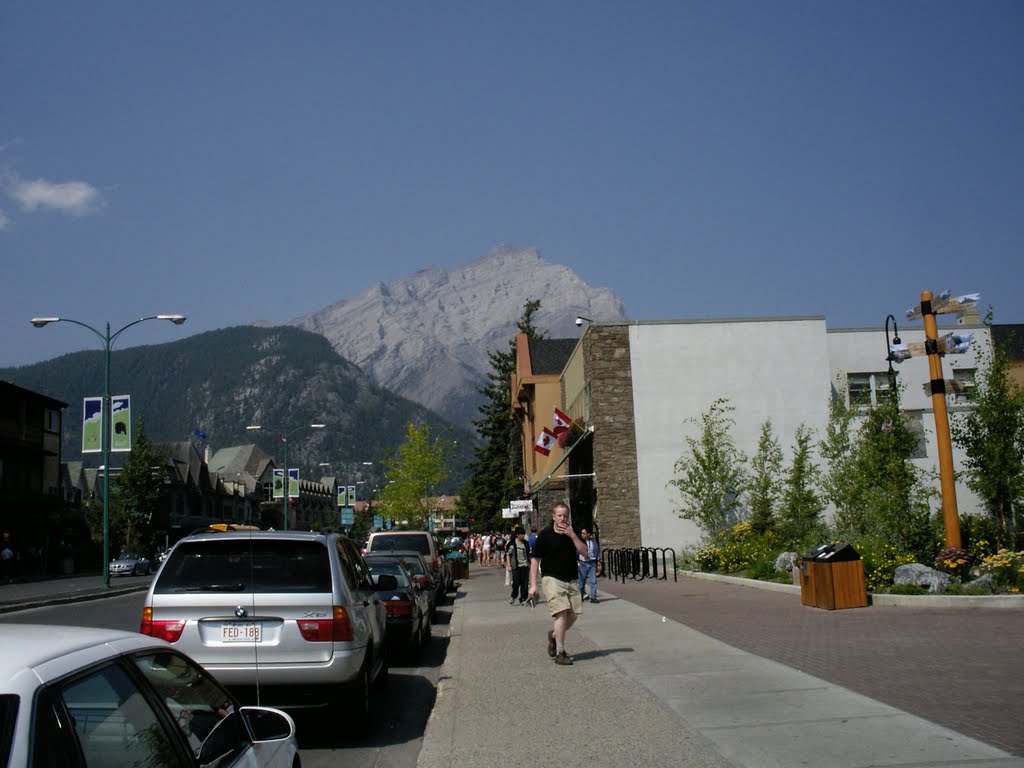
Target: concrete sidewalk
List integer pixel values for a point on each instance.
(649, 691)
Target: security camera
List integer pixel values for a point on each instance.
(579, 322)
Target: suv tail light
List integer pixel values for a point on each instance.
(338, 629)
(398, 607)
(162, 629)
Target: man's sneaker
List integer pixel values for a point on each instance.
(511, 601)
(584, 598)
(522, 602)
(552, 648)
(563, 658)
(594, 600)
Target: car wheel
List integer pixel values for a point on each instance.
(384, 675)
(355, 707)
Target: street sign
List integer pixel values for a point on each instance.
(946, 304)
(521, 506)
(348, 516)
(950, 344)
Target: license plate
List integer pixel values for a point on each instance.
(241, 632)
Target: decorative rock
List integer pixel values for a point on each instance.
(983, 582)
(923, 576)
(786, 561)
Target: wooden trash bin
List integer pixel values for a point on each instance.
(832, 577)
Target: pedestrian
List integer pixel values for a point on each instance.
(517, 555)
(498, 546)
(555, 553)
(487, 549)
(532, 538)
(588, 567)
(7, 563)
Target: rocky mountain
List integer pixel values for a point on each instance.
(221, 381)
(426, 337)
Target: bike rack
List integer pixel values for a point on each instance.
(638, 563)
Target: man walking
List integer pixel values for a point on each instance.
(588, 566)
(517, 557)
(556, 553)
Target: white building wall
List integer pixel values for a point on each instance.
(777, 369)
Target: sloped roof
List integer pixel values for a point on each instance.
(239, 459)
(549, 356)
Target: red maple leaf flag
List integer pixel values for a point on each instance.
(561, 421)
(545, 441)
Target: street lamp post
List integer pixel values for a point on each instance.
(890, 356)
(108, 339)
(283, 437)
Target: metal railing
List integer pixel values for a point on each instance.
(639, 563)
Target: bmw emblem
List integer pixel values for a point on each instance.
(240, 612)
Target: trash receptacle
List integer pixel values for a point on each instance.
(832, 577)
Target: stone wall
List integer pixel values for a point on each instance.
(608, 371)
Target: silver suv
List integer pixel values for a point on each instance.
(294, 615)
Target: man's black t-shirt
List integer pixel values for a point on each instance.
(557, 554)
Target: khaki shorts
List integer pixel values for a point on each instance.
(561, 595)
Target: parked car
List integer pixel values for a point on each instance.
(426, 544)
(421, 574)
(79, 696)
(291, 615)
(408, 606)
(127, 564)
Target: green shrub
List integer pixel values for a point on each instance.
(963, 589)
(1007, 570)
(978, 535)
(880, 562)
(739, 546)
(905, 589)
(763, 569)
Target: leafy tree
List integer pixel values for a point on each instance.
(764, 487)
(497, 467)
(992, 436)
(136, 494)
(418, 466)
(800, 513)
(713, 475)
(886, 488)
(836, 448)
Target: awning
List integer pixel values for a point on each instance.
(565, 455)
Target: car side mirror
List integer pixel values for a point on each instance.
(267, 724)
(386, 581)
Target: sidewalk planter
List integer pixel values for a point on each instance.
(832, 577)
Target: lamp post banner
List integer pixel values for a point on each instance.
(351, 495)
(121, 423)
(342, 496)
(278, 484)
(293, 483)
(92, 424)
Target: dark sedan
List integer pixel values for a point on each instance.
(407, 606)
(421, 575)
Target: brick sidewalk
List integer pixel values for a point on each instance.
(962, 669)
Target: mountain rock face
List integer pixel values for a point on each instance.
(426, 337)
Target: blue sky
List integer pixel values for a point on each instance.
(237, 162)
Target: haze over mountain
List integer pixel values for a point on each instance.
(426, 337)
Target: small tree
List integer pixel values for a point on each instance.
(992, 436)
(838, 483)
(419, 465)
(801, 509)
(765, 485)
(713, 475)
(137, 491)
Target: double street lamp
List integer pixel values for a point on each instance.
(893, 355)
(283, 437)
(108, 339)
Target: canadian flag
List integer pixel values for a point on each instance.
(545, 441)
(561, 421)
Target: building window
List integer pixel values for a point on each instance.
(964, 388)
(52, 420)
(915, 423)
(867, 389)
